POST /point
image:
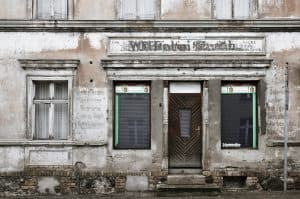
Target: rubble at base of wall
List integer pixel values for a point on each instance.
(69, 180)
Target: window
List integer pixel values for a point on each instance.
(233, 9)
(238, 116)
(137, 9)
(50, 105)
(185, 116)
(132, 116)
(51, 9)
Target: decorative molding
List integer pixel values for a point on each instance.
(186, 62)
(185, 67)
(280, 25)
(49, 63)
(51, 143)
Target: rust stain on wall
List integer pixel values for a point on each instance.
(279, 8)
(89, 69)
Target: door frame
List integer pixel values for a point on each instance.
(204, 117)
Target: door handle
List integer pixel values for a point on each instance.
(198, 128)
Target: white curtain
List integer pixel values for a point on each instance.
(61, 116)
(48, 9)
(146, 9)
(128, 9)
(42, 121)
(60, 9)
(224, 9)
(61, 90)
(44, 9)
(42, 110)
(42, 90)
(241, 9)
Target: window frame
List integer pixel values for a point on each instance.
(157, 5)
(69, 11)
(116, 83)
(257, 126)
(253, 11)
(31, 105)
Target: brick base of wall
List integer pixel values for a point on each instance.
(69, 180)
(256, 179)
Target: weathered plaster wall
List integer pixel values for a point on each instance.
(281, 52)
(12, 159)
(93, 92)
(185, 9)
(94, 9)
(279, 8)
(13, 9)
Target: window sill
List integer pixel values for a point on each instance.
(238, 148)
(49, 63)
(280, 143)
(50, 143)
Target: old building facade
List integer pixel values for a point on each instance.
(101, 96)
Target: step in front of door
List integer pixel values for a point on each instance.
(188, 190)
(190, 179)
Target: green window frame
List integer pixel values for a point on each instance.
(238, 116)
(132, 116)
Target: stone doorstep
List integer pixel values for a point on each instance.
(190, 179)
(188, 190)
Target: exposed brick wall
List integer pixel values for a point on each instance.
(259, 179)
(75, 181)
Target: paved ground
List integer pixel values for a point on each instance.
(248, 195)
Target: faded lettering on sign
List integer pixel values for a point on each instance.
(168, 46)
(90, 113)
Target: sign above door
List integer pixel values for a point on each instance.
(210, 45)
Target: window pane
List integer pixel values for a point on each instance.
(238, 115)
(146, 9)
(224, 9)
(61, 121)
(42, 121)
(61, 90)
(241, 9)
(128, 9)
(42, 90)
(52, 9)
(185, 122)
(133, 121)
(60, 9)
(44, 8)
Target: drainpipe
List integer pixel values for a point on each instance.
(286, 127)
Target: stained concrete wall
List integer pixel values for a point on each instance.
(94, 9)
(90, 48)
(279, 8)
(13, 9)
(186, 9)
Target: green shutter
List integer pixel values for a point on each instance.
(116, 120)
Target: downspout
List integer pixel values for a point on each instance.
(286, 127)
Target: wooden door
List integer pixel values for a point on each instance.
(185, 135)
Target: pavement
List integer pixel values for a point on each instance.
(226, 195)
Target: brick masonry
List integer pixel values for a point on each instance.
(74, 181)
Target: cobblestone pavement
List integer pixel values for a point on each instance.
(245, 195)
